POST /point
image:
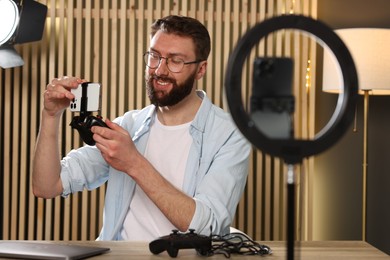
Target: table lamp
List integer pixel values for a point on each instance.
(371, 53)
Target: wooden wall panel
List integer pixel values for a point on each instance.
(104, 41)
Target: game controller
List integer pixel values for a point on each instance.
(83, 125)
(176, 240)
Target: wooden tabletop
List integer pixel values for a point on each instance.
(323, 250)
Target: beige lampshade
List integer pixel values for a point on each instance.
(370, 50)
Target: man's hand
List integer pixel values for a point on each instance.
(116, 146)
(57, 96)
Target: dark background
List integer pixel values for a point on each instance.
(338, 171)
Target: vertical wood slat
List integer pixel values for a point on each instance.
(122, 58)
(23, 146)
(113, 69)
(105, 65)
(227, 43)
(15, 175)
(104, 41)
(139, 67)
(308, 221)
(7, 162)
(132, 56)
(209, 23)
(218, 62)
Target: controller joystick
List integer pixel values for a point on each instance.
(83, 126)
(176, 240)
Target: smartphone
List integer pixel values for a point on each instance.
(272, 100)
(272, 84)
(87, 97)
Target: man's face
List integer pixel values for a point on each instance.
(164, 87)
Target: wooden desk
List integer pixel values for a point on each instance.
(308, 250)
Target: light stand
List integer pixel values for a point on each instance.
(290, 211)
(365, 165)
(292, 151)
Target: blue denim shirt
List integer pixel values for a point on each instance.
(215, 174)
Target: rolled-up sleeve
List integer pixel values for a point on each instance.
(81, 169)
(224, 171)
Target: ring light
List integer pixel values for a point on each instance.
(292, 150)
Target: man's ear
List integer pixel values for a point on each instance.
(201, 69)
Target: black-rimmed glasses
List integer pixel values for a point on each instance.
(174, 64)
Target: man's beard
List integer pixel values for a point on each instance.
(177, 93)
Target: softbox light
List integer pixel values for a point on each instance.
(21, 22)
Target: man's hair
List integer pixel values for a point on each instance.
(185, 27)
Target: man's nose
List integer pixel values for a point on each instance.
(162, 68)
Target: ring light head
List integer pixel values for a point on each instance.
(292, 150)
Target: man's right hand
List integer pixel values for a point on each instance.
(57, 96)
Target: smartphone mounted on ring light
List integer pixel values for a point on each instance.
(272, 101)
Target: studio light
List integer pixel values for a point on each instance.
(21, 22)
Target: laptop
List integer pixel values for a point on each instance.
(47, 250)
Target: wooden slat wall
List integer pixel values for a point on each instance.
(103, 41)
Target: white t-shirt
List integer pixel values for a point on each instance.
(167, 150)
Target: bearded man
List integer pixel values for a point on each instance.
(179, 163)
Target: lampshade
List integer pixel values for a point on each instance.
(370, 50)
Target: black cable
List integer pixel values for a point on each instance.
(237, 243)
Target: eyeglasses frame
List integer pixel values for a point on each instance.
(166, 60)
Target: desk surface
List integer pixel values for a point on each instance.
(323, 250)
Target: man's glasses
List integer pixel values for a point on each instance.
(174, 64)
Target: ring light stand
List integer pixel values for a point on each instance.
(292, 151)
